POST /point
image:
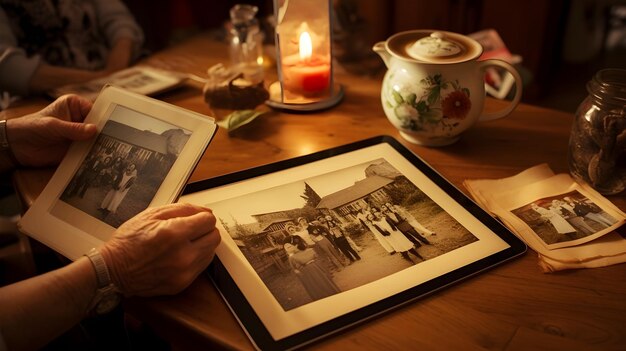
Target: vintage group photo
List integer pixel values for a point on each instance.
(125, 167)
(564, 218)
(328, 234)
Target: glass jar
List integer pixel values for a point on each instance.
(239, 86)
(246, 42)
(597, 144)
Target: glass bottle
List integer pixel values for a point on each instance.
(246, 42)
(238, 86)
(597, 144)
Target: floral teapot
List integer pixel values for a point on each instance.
(434, 87)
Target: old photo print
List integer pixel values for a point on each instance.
(566, 218)
(337, 231)
(125, 167)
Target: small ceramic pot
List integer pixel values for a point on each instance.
(434, 88)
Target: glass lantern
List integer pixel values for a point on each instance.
(304, 56)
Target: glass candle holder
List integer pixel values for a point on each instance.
(304, 56)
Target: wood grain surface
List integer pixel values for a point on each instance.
(512, 307)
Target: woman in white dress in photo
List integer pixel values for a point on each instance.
(303, 234)
(367, 221)
(559, 223)
(409, 217)
(394, 237)
(116, 195)
(301, 231)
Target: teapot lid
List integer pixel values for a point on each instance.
(434, 46)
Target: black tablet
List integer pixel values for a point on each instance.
(318, 243)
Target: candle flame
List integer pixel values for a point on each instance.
(306, 47)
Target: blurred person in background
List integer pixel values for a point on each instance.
(45, 44)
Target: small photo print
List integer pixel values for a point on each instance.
(125, 167)
(566, 219)
(331, 233)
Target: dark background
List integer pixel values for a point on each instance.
(562, 43)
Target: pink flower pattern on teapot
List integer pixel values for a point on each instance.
(431, 108)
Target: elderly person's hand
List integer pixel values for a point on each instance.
(42, 138)
(161, 250)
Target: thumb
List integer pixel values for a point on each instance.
(76, 131)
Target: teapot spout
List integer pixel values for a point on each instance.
(381, 50)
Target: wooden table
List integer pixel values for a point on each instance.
(512, 307)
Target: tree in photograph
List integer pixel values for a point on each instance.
(224, 224)
(403, 191)
(308, 212)
(239, 231)
(310, 196)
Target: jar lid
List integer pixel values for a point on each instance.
(433, 46)
(609, 86)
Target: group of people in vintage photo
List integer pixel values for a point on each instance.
(569, 216)
(315, 248)
(104, 169)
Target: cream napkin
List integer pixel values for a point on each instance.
(511, 200)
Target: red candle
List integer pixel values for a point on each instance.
(306, 74)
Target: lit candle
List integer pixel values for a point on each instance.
(306, 73)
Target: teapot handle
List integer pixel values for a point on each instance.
(507, 81)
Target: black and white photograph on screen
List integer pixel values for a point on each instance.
(328, 234)
(563, 218)
(125, 167)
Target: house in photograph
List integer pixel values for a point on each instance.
(374, 190)
(142, 146)
(342, 203)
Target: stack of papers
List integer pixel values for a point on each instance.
(139, 79)
(568, 224)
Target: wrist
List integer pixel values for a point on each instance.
(107, 295)
(111, 263)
